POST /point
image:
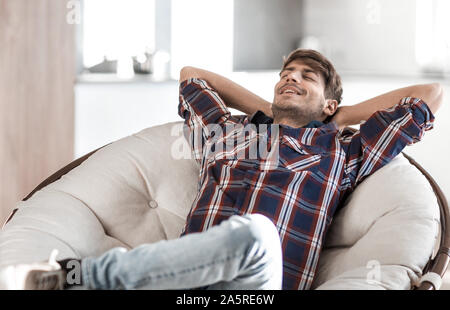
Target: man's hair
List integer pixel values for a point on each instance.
(319, 63)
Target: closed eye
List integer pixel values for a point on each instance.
(306, 77)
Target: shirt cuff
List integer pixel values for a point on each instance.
(421, 113)
(198, 83)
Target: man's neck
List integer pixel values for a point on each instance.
(290, 122)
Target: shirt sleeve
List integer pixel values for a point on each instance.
(204, 112)
(383, 136)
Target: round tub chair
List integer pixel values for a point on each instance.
(391, 233)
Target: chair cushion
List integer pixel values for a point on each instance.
(136, 190)
(139, 190)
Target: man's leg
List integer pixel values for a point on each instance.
(242, 252)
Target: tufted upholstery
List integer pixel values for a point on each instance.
(140, 189)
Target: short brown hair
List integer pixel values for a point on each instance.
(318, 62)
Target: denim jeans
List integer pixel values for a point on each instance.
(242, 252)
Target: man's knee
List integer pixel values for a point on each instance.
(262, 227)
(260, 230)
(264, 250)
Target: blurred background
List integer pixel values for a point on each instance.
(78, 74)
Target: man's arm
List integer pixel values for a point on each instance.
(234, 95)
(431, 94)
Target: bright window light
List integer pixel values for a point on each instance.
(117, 28)
(202, 35)
(433, 35)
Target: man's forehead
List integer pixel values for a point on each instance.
(300, 65)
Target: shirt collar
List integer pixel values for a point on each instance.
(260, 118)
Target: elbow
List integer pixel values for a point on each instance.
(432, 94)
(437, 97)
(187, 73)
(436, 89)
(184, 73)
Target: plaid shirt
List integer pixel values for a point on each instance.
(315, 169)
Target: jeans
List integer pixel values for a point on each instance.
(242, 252)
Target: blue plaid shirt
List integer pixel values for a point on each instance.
(316, 168)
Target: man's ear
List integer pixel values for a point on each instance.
(331, 106)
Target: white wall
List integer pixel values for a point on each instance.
(376, 36)
(106, 112)
(264, 32)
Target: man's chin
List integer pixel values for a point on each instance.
(286, 105)
(286, 111)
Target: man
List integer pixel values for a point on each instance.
(319, 161)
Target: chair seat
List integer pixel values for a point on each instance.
(139, 190)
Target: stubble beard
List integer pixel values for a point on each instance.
(300, 113)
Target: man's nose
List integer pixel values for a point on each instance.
(294, 77)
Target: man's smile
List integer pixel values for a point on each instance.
(290, 89)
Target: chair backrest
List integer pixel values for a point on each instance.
(439, 263)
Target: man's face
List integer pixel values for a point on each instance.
(299, 94)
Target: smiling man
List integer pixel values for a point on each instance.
(300, 94)
(320, 162)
